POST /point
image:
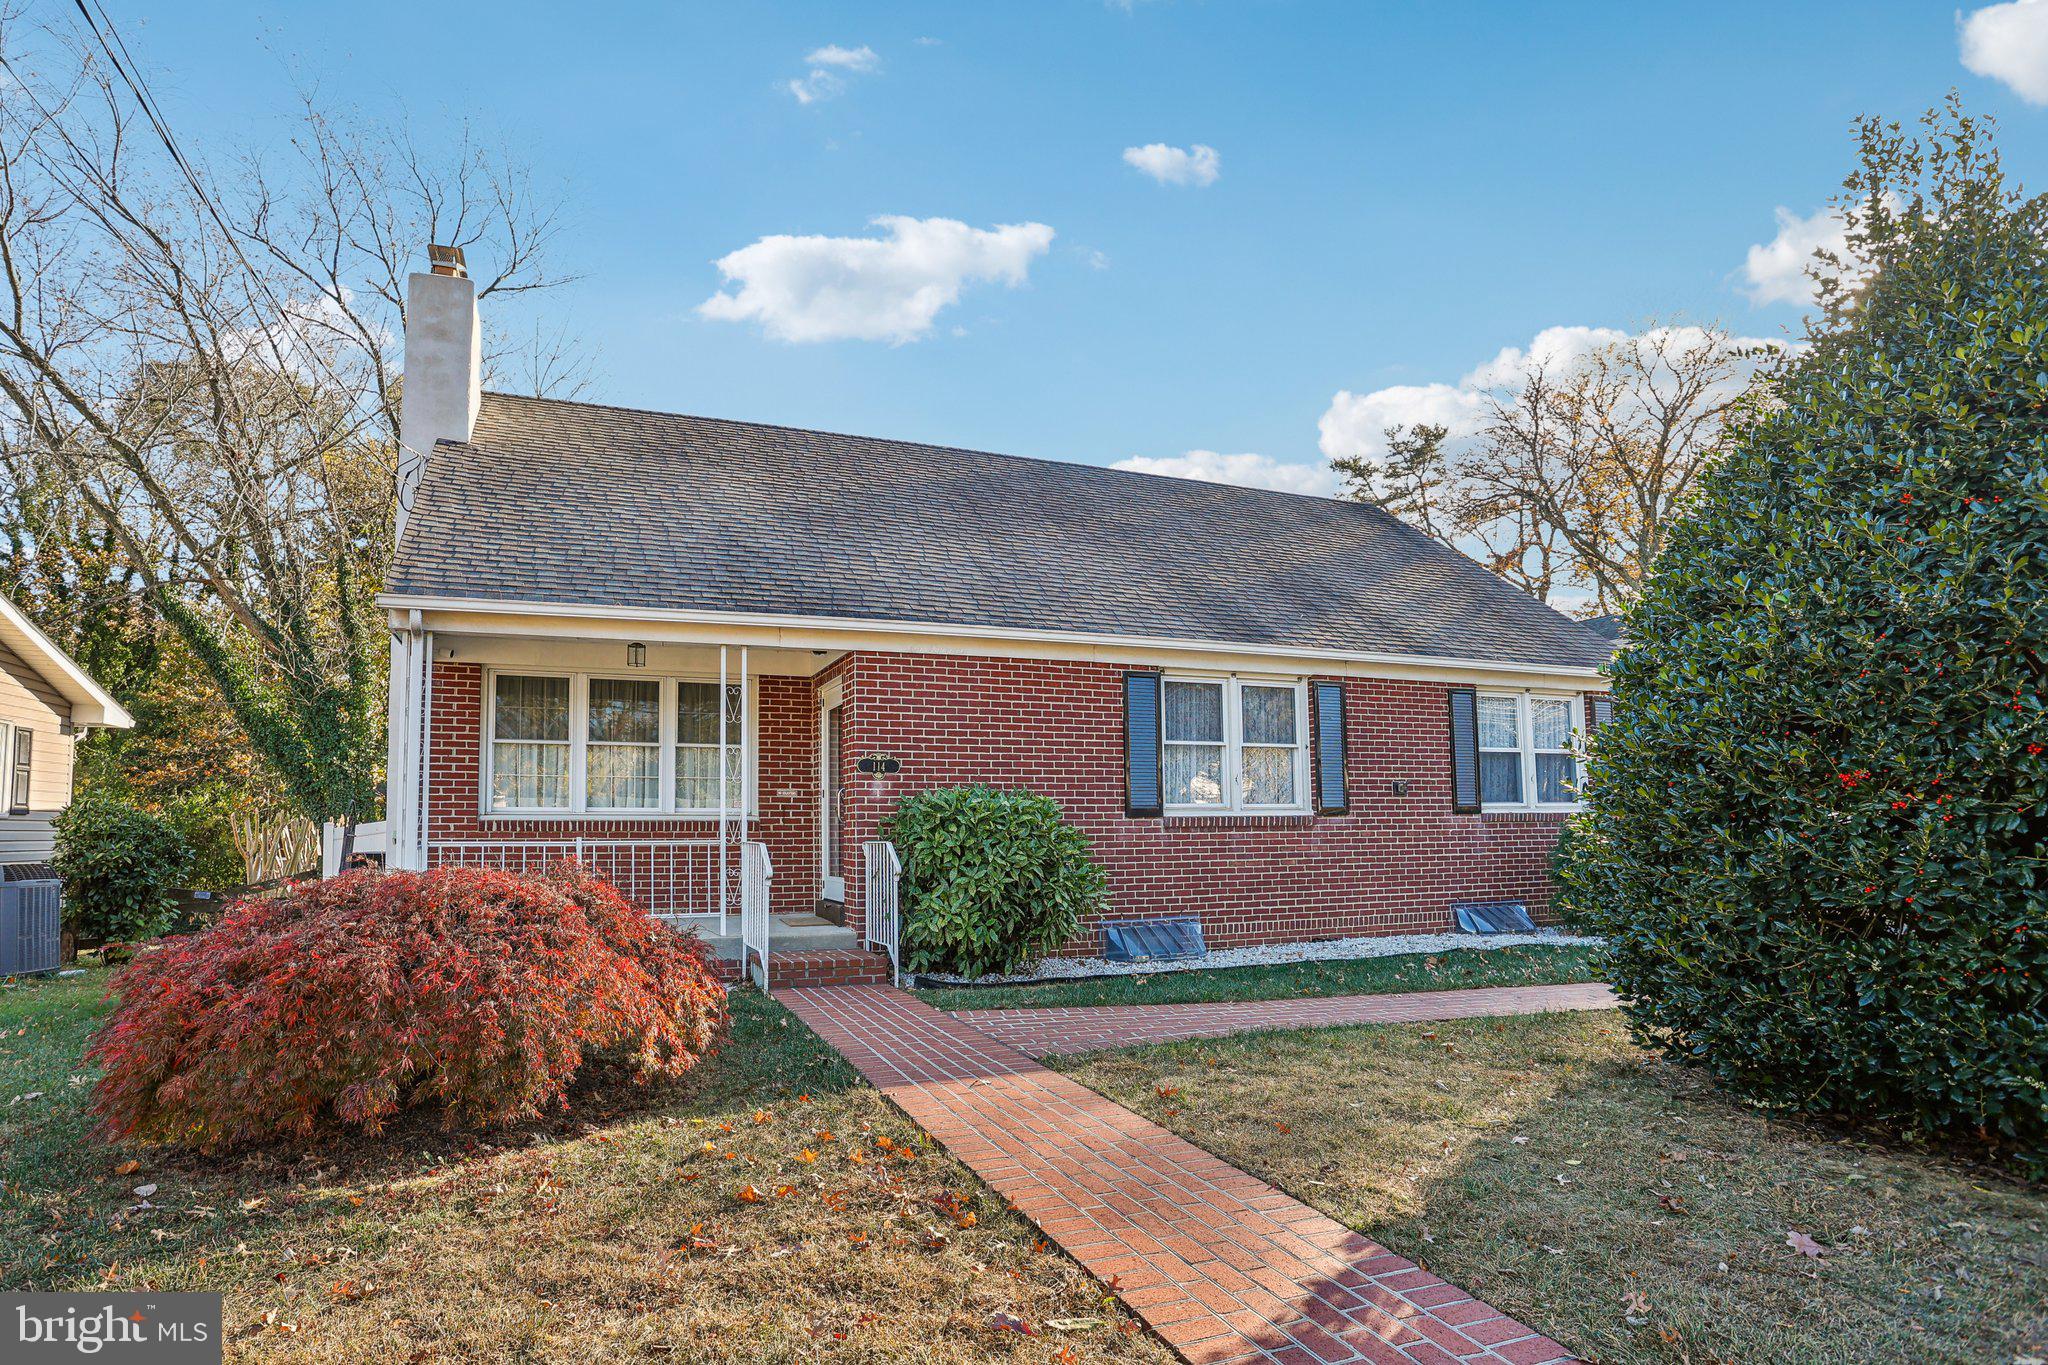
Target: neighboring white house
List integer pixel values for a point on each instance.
(47, 704)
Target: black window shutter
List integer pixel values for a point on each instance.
(1603, 711)
(1141, 745)
(1464, 750)
(17, 786)
(1330, 796)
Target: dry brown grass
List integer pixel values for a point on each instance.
(1620, 1204)
(620, 1233)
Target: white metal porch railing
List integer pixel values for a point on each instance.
(883, 871)
(756, 870)
(671, 879)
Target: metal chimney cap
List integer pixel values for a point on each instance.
(447, 260)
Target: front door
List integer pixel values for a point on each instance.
(831, 801)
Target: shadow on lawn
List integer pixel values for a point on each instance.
(1619, 1203)
(69, 1209)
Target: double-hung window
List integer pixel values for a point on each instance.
(622, 759)
(530, 745)
(1235, 744)
(1528, 750)
(697, 745)
(562, 744)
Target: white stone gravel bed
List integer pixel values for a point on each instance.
(1332, 950)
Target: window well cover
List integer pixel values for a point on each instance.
(1493, 917)
(1147, 940)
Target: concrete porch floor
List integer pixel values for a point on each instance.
(803, 933)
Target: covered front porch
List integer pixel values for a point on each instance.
(703, 780)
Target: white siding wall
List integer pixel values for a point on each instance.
(29, 703)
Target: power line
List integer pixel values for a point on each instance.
(130, 75)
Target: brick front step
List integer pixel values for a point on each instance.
(828, 968)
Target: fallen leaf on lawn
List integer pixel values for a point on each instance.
(1805, 1245)
(1637, 1303)
(1005, 1322)
(1672, 1204)
(128, 1168)
(807, 1155)
(1072, 1324)
(747, 1194)
(1519, 1141)
(1283, 1127)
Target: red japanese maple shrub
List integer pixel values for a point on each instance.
(478, 993)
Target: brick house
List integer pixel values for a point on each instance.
(696, 653)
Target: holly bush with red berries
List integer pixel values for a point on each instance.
(1817, 829)
(475, 993)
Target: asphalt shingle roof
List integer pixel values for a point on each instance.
(579, 504)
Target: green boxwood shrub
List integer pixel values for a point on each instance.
(120, 865)
(1817, 823)
(991, 879)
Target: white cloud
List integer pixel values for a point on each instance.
(870, 288)
(1249, 471)
(829, 67)
(1775, 271)
(860, 58)
(1553, 349)
(2009, 44)
(1196, 165)
(1355, 424)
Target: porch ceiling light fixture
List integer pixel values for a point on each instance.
(636, 655)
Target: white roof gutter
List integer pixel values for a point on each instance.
(863, 626)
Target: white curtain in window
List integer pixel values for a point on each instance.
(530, 743)
(1272, 728)
(1500, 751)
(1557, 768)
(697, 746)
(622, 758)
(1193, 756)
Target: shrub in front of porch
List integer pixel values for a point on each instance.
(474, 993)
(991, 879)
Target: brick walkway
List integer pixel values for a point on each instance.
(1084, 1028)
(1220, 1264)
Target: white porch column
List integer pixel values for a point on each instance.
(405, 727)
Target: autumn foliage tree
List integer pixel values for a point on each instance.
(1817, 837)
(474, 994)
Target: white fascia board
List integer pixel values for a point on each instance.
(91, 704)
(486, 616)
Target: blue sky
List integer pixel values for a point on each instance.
(1400, 192)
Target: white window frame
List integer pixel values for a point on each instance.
(1233, 743)
(1525, 742)
(746, 807)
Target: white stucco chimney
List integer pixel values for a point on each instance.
(443, 366)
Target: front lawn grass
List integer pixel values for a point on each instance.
(771, 1208)
(1617, 1202)
(1531, 965)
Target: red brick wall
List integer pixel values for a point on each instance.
(787, 783)
(1393, 865)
